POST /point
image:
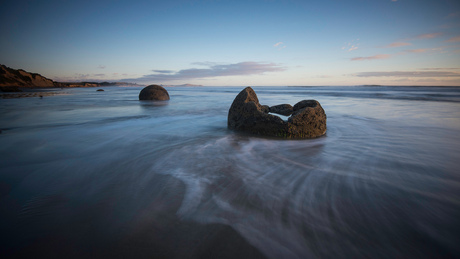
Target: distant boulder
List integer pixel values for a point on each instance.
(100, 90)
(154, 92)
(308, 119)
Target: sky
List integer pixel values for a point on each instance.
(235, 43)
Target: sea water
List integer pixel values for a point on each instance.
(102, 174)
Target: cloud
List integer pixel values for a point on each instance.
(280, 45)
(438, 68)
(379, 56)
(428, 35)
(454, 39)
(408, 74)
(325, 76)
(453, 15)
(207, 63)
(397, 44)
(417, 50)
(432, 50)
(216, 70)
(350, 46)
(101, 66)
(353, 47)
(163, 71)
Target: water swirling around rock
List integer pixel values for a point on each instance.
(307, 120)
(119, 177)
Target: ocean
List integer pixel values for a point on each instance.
(102, 174)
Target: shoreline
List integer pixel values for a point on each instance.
(33, 92)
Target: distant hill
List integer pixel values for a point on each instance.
(187, 85)
(13, 79)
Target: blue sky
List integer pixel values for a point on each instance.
(236, 43)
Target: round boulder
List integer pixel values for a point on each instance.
(154, 92)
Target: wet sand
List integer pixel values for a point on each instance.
(27, 92)
(153, 232)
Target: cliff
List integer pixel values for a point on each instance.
(13, 79)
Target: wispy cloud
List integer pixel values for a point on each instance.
(216, 70)
(379, 56)
(207, 63)
(350, 46)
(163, 71)
(397, 44)
(417, 50)
(325, 76)
(353, 48)
(280, 45)
(454, 39)
(101, 66)
(453, 15)
(428, 35)
(408, 74)
(439, 68)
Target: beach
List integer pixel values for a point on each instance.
(102, 174)
(33, 92)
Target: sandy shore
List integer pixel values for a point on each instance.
(153, 230)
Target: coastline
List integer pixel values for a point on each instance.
(33, 92)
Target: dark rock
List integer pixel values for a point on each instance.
(154, 92)
(308, 119)
(265, 108)
(100, 90)
(303, 104)
(246, 114)
(283, 109)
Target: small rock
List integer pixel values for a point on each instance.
(308, 119)
(283, 109)
(100, 90)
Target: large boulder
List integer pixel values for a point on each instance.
(308, 119)
(154, 92)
